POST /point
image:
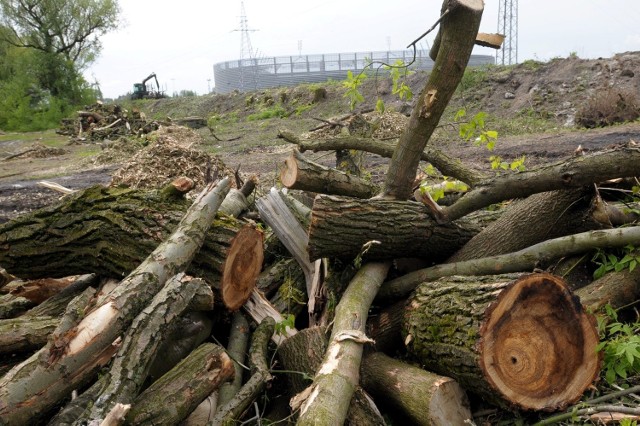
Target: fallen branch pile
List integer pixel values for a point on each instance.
(192, 313)
(106, 121)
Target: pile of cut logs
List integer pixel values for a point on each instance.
(191, 312)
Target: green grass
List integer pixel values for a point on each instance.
(48, 138)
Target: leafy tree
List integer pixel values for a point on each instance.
(44, 45)
(67, 28)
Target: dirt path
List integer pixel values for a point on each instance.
(19, 195)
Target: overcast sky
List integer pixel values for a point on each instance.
(181, 40)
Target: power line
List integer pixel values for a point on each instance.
(246, 50)
(508, 26)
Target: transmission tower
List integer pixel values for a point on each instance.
(508, 26)
(247, 58)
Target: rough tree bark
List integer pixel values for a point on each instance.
(108, 231)
(537, 218)
(519, 341)
(617, 289)
(303, 353)
(340, 227)
(524, 260)
(176, 394)
(139, 349)
(573, 173)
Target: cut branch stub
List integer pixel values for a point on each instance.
(522, 342)
(242, 267)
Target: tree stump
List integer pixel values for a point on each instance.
(520, 341)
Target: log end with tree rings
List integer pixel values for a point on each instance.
(242, 266)
(538, 346)
(289, 173)
(518, 340)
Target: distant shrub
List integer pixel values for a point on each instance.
(275, 111)
(608, 107)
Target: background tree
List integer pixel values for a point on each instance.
(67, 28)
(44, 46)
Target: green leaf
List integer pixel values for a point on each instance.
(380, 106)
(632, 265)
(460, 114)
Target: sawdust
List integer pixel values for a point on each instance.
(388, 125)
(171, 154)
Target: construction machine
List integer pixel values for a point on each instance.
(141, 91)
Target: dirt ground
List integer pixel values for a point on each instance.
(554, 90)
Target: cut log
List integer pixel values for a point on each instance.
(448, 166)
(176, 394)
(130, 368)
(242, 266)
(341, 226)
(303, 353)
(617, 289)
(520, 341)
(35, 386)
(424, 398)
(109, 231)
(301, 173)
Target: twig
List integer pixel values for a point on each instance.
(596, 408)
(589, 411)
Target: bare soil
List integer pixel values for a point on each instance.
(533, 105)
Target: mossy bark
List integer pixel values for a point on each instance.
(172, 397)
(425, 398)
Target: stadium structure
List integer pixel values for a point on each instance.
(261, 73)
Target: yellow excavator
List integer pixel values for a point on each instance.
(141, 91)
